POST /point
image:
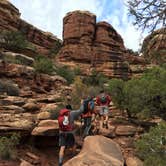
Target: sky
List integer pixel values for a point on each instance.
(47, 15)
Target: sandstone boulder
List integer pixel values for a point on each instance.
(97, 151)
(46, 128)
(133, 161)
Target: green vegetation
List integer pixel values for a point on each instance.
(81, 91)
(67, 73)
(7, 86)
(142, 97)
(54, 51)
(116, 87)
(77, 71)
(95, 79)
(152, 146)
(43, 64)
(13, 40)
(8, 146)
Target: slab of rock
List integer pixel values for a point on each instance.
(98, 151)
(125, 130)
(43, 115)
(31, 106)
(46, 128)
(133, 161)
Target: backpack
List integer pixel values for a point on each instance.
(64, 120)
(103, 99)
(88, 105)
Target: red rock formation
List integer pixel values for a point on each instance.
(154, 47)
(92, 45)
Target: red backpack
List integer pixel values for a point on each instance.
(64, 120)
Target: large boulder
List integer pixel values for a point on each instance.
(97, 151)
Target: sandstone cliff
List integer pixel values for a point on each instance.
(98, 46)
(154, 47)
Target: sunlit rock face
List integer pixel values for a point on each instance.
(154, 47)
(91, 45)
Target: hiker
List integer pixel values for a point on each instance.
(67, 129)
(87, 115)
(102, 101)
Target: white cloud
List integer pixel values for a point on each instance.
(120, 20)
(48, 15)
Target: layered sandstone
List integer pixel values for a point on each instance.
(92, 45)
(10, 20)
(154, 47)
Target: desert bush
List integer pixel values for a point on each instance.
(142, 97)
(55, 49)
(80, 90)
(67, 73)
(116, 87)
(152, 146)
(8, 146)
(43, 64)
(13, 40)
(9, 87)
(95, 79)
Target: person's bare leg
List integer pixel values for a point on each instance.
(101, 121)
(61, 155)
(106, 121)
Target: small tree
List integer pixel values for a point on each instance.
(67, 73)
(13, 40)
(95, 79)
(80, 90)
(152, 146)
(116, 87)
(43, 65)
(8, 146)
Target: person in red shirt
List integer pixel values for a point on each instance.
(102, 101)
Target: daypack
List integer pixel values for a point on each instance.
(64, 120)
(103, 99)
(88, 105)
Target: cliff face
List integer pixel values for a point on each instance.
(92, 45)
(154, 47)
(10, 20)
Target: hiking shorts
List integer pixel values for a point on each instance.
(103, 110)
(66, 139)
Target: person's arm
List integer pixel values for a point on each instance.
(76, 113)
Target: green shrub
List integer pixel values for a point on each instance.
(95, 79)
(55, 49)
(8, 146)
(142, 97)
(77, 71)
(13, 40)
(115, 88)
(152, 146)
(43, 65)
(67, 73)
(9, 87)
(80, 90)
